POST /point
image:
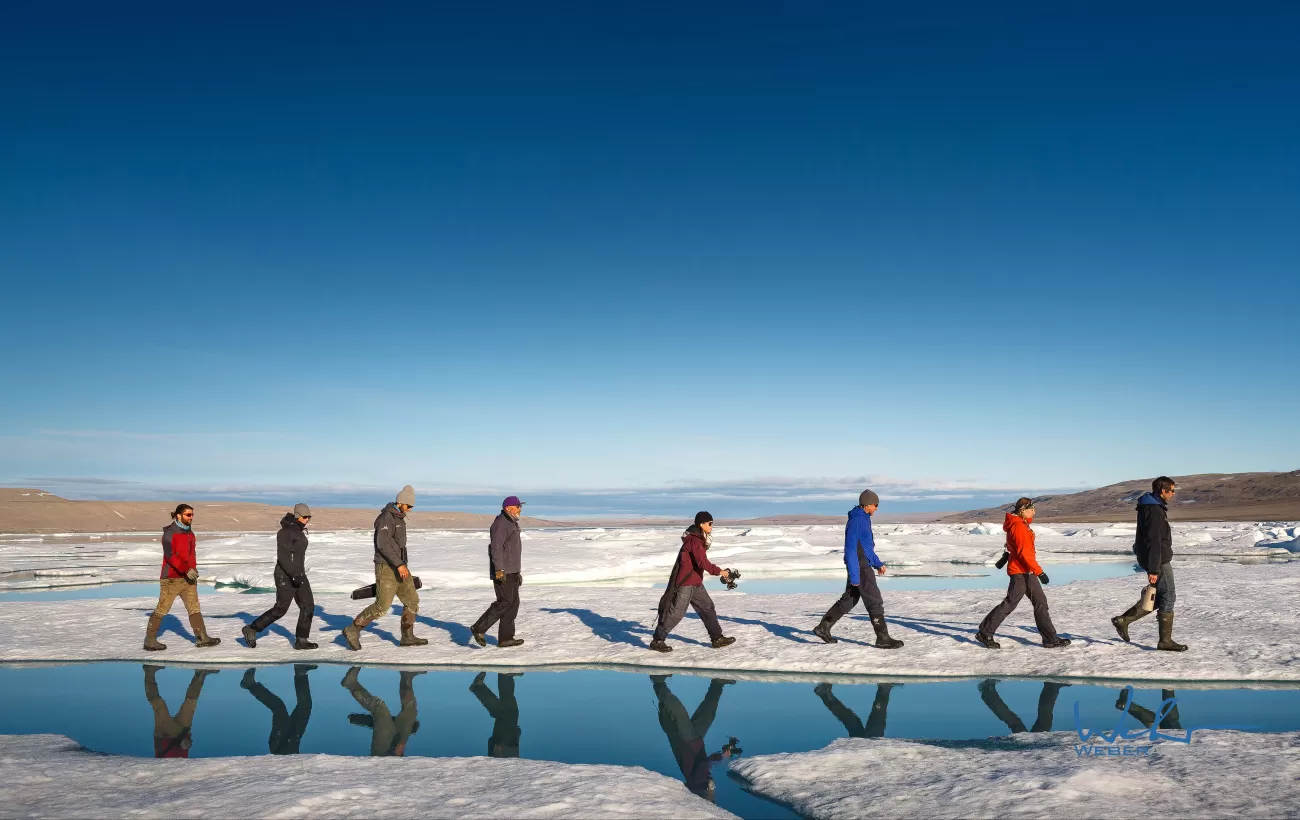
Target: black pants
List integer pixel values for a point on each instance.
(865, 591)
(1020, 586)
(503, 609)
(1046, 706)
(286, 728)
(875, 726)
(284, 594)
(504, 709)
(674, 609)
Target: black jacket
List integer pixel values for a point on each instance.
(1154, 546)
(291, 547)
(390, 537)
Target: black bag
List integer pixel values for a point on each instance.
(371, 591)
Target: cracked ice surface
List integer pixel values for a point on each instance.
(1219, 774)
(1238, 619)
(52, 776)
(341, 560)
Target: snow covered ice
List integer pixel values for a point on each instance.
(52, 776)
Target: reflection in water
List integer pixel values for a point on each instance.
(1046, 706)
(389, 734)
(171, 735)
(686, 734)
(1146, 717)
(286, 728)
(504, 710)
(852, 723)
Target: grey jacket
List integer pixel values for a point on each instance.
(505, 550)
(390, 537)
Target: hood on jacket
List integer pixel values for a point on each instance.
(1010, 521)
(693, 531)
(858, 512)
(1151, 498)
(391, 507)
(290, 520)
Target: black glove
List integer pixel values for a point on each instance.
(1002, 562)
(1042, 576)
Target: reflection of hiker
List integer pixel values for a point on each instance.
(286, 728)
(389, 734)
(171, 735)
(1027, 578)
(1154, 549)
(392, 577)
(1146, 717)
(852, 723)
(686, 734)
(860, 560)
(686, 587)
(179, 578)
(504, 710)
(505, 558)
(1046, 706)
(291, 582)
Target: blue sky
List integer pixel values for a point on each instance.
(574, 248)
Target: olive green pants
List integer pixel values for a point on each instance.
(388, 586)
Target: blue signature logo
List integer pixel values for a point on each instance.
(1120, 734)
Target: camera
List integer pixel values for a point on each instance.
(733, 575)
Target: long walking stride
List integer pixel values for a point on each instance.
(1154, 549)
(860, 559)
(291, 583)
(392, 577)
(686, 587)
(505, 559)
(1027, 578)
(179, 578)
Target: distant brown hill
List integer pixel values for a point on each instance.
(1208, 497)
(28, 510)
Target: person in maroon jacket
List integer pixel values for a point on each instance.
(179, 578)
(686, 587)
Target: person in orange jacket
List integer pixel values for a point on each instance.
(1027, 578)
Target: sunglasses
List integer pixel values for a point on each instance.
(187, 515)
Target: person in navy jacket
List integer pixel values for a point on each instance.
(860, 560)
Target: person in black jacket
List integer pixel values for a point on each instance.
(504, 710)
(291, 582)
(286, 728)
(1154, 550)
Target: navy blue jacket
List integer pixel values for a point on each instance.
(859, 544)
(1154, 545)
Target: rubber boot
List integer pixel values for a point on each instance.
(1121, 622)
(883, 640)
(408, 631)
(151, 642)
(1167, 634)
(823, 631)
(352, 632)
(201, 636)
(303, 643)
(250, 636)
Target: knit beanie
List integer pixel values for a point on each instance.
(407, 496)
(868, 498)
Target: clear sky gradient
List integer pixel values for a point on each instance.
(499, 247)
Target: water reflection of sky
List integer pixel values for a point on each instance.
(682, 726)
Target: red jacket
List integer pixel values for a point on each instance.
(694, 562)
(1020, 543)
(178, 552)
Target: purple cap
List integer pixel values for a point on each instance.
(512, 501)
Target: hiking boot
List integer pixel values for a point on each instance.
(1056, 642)
(1121, 622)
(986, 641)
(479, 638)
(721, 641)
(303, 643)
(1167, 634)
(151, 642)
(201, 636)
(250, 636)
(883, 641)
(823, 631)
(658, 645)
(509, 642)
(350, 678)
(352, 632)
(248, 681)
(408, 631)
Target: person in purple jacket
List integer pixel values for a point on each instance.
(860, 558)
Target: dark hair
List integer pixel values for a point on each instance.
(180, 508)
(1162, 484)
(1023, 504)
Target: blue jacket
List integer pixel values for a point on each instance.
(858, 541)
(1153, 545)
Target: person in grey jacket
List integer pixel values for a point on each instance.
(291, 582)
(392, 576)
(505, 557)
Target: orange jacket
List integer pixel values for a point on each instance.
(1020, 543)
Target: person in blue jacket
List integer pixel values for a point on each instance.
(860, 558)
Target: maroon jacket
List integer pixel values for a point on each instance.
(692, 560)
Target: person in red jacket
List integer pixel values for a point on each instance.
(1027, 578)
(179, 578)
(686, 587)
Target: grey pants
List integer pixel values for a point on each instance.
(675, 609)
(1165, 595)
(865, 591)
(1018, 588)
